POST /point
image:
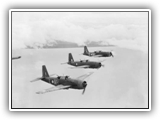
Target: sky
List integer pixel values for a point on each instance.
(124, 29)
(127, 75)
(121, 83)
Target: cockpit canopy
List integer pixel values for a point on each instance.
(63, 77)
(97, 51)
(66, 77)
(84, 60)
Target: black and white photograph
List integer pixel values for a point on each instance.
(80, 59)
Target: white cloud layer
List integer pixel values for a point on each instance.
(125, 29)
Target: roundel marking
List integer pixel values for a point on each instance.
(54, 81)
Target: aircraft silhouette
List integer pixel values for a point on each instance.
(83, 63)
(62, 82)
(97, 53)
(13, 58)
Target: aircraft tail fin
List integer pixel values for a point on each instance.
(70, 58)
(86, 52)
(44, 72)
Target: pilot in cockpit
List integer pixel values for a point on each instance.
(66, 77)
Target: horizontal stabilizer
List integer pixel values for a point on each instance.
(37, 79)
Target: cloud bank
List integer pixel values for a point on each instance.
(128, 30)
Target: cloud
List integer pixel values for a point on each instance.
(78, 30)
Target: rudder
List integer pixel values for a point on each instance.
(70, 58)
(86, 52)
(44, 72)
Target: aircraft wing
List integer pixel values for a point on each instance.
(13, 58)
(83, 66)
(82, 77)
(97, 55)
(53, 89)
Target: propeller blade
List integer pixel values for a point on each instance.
(83, 91)
(112, 55)
(103, 65)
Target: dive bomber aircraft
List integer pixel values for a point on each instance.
(62, 82)
(83, 63)
(97, 53)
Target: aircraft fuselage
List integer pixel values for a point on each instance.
(87, 63)
(65, 80)
(99, 54)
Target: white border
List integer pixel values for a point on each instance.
(43, 109)
(149, 59)
(10, 61)
(80, 10)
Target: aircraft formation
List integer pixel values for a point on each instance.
(67, 82)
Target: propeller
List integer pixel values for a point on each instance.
(111, 53)
(84, 84)
(103, 65)
(83, 91)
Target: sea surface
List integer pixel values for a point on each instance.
(122, 83)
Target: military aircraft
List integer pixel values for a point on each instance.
(13, 58)
(83, 63)
(62, 82)
(97, 53)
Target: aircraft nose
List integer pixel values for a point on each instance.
(100, 64)
(84, 84)
(111, 54)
